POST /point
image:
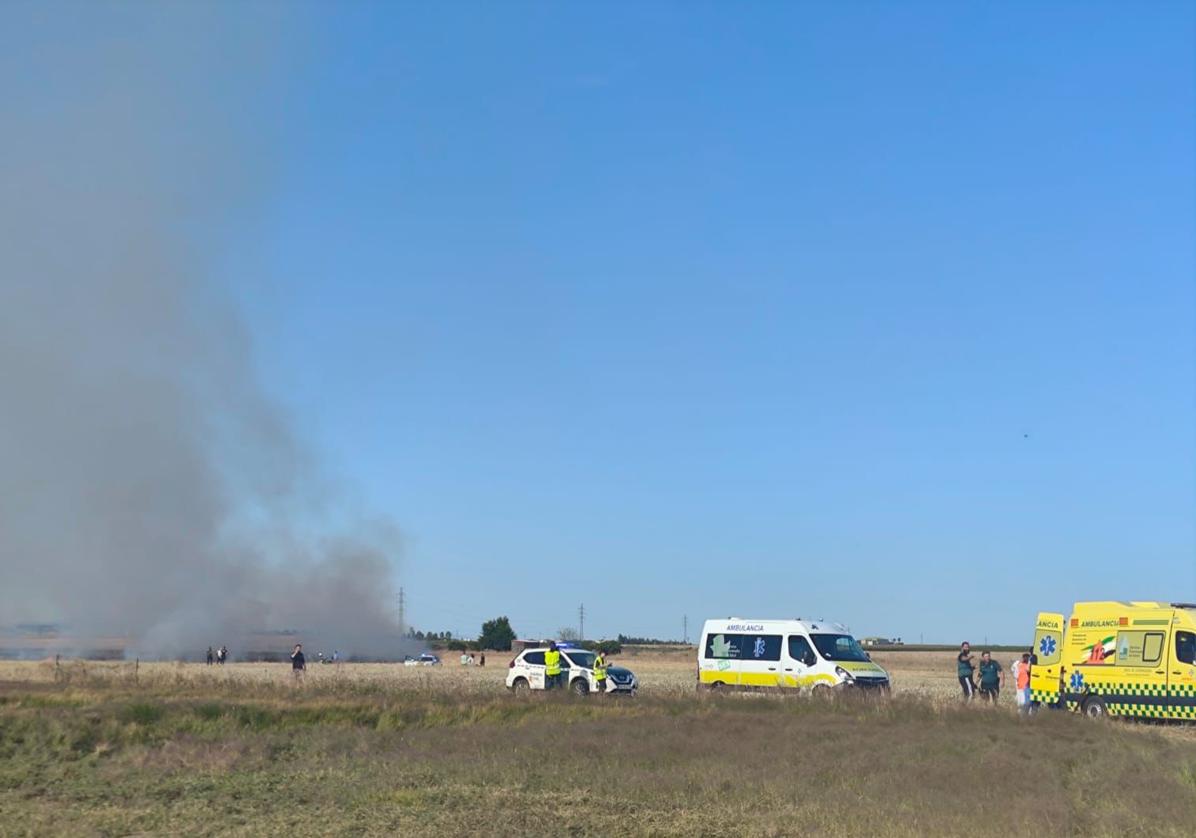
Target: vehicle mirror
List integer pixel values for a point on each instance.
(808, 658)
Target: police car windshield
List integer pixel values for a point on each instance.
(839, 647)
(583, 659)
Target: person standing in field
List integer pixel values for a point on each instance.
(298, 663)
(482, 659)
(1023, 684)
(552, 666)
(211, 656)
(992, 678)
(600, 673)
(964, 670)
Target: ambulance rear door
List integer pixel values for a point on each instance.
(1048, 652)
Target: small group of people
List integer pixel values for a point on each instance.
(467, 659)
(992, 676)
(552, 669)
(219, 655)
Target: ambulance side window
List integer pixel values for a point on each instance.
(762, 647)
(1185, 647)
(1139, 648)
(724, 646)
(1152, 648)
(800, 650)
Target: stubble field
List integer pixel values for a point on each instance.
(114, 749)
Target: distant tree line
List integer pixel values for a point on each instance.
(430, 636)
(606, 647)
(496, 634)
(646, 641)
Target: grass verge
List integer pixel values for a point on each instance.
(115, 757)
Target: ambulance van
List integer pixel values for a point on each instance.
(1117, 659)
(784, 654)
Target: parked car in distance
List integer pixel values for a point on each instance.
(426, 659)
(526, 673)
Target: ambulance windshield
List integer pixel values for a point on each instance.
(839, 647)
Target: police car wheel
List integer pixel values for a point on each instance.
(581, 687)
(1094, 707)
(521, 686)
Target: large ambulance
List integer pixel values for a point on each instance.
(1118, 659)
(797, 654)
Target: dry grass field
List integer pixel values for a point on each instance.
(163, 748)
(924, 674)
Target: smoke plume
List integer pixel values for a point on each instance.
(149, 488)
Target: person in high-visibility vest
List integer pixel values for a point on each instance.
(552, 667)
(600, 672)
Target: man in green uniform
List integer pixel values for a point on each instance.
(992, 677)
(600, 673)
(552, 667)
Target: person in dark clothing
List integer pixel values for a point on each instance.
(211, 656)
(964, 670)
(992, 678)
(298, 663)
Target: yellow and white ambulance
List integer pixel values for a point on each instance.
(736, 653)
(1118, 659)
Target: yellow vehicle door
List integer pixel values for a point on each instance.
(1048, 652)
(1181, 675)
(1133, 680)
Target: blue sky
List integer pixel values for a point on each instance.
(883, 313)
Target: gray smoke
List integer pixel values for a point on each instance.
(148, 486)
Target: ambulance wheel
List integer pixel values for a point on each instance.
(581, 687)
(822, 691)
(1094, 707)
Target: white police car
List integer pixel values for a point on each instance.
(526, 673)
